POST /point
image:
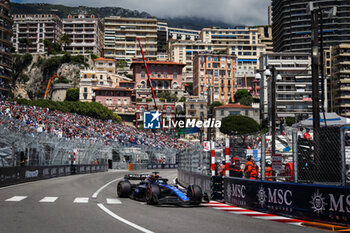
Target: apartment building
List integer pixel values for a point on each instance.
(196, 107)
(121, 35)
(340, 81)
(265, 37)
(102, 84)
(291, 25)
(36, 28)
(216, 71)
(241, 41)
(162, 37)
(5, 43)
(293, 89)
(182, 34)
(86, 33)
(184, 52)
(165, 76)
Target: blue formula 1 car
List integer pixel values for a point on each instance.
(155, 190)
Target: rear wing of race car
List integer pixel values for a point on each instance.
(136, 176)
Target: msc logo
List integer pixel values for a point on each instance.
(151, 120)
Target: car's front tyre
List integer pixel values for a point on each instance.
(124, 188)
(152, 194)
(195, 194)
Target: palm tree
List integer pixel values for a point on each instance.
(65, 40)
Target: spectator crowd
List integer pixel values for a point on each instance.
(22, 118)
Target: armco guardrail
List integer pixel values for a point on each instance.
(15, 175)
(162, 166)
(318, 202)
(186, 178)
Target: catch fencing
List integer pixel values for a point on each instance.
(322, 160)
(21, 147)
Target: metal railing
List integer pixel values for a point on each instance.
(296, 159)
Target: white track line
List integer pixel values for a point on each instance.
(17, 198)
(123, 220)
(48, 199)
(81, 200)
(113, 201)
(104, 186)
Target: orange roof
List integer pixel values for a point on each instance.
(111, 89)
(234, 106)
(162, 78)
(104, 59)
(126, 81)
(158, 63)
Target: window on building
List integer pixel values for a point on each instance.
(101, 76)
(192, 106)
(235, 113)
(222, 112)
(85, 89)
(143, 75)
(202, 106)
(175, 75)
(246, 112)
(85, 96)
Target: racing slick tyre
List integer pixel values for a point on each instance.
(195, 194)
(124, 188)
(152, 194)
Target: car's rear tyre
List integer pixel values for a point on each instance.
(195, 194)
(124, 188)
(152, 194)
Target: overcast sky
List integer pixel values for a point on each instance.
(237, 12)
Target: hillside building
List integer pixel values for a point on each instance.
(86, 33)
(217, 71)
(35, 28)
(5, 43)
(120, 41)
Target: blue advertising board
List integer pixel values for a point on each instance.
(318, 202)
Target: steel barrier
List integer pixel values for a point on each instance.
(15, 175)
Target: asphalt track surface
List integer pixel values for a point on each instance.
(22, 211)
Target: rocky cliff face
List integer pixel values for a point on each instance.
(34, 85)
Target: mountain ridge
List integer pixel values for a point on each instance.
(188, 22)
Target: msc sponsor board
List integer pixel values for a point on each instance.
(14, 175)
(320, 202)
(161, 166)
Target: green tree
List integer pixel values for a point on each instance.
(170, 97)
(240, 94)
(65, 40)
(72, 94)
(246, 100)
(290, 121)
(239, 125)
(122, 64)
(182, 99)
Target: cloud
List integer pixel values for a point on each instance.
(237, 12)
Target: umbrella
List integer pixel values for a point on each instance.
(332, 119)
